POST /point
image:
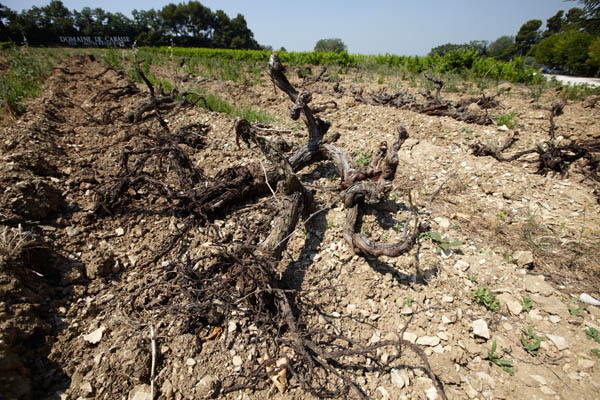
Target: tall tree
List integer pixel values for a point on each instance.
(502, 48)
(527, 36)
(334, 45)
(553, 24)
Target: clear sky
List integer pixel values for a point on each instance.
(366, 27)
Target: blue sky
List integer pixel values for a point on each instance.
(367, 27)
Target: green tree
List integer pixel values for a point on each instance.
(502, 48)
(594, 55)
(527, 36)
(333, 45)
(553, 24)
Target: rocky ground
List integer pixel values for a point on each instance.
(77, 300)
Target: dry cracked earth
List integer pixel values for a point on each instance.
(77, 298)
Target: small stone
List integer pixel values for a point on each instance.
(72, 231)
(140, 392)
(443, 223)
(86, 388)
(582, 364)
(514, 306)
(431, 393)
(208, 387)
(447, 299)
(539, 379)
(535, 315)
(547, 390)
(384, 395)
(448, 320)
(523, 258)
(555, 319)
(559, 341)
(480, 328)
(461, 265)
(409, 336)
(487, 379)
(231, 327)
(95, 336)
(406, 311)
(442, 335)
(536, 284)
(428, 341)
(397, 378)
(237, 361)
(190, 362)
(120, 231)
(503, 128)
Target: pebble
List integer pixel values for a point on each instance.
(120, 231)
(409, 336)
(72, 231)
(487, 379)
(539, 379)
(140, 392)
(547, 390)
(95, 336)
(447, 320)
(428, 341)
(555, 319)
(190, 362)
(383, 392)
(480, 328)
(559, 341)
(431, 393)
(536, 284)
(442, 335)
(443, 223)
(397, 378)
(523, 258)
(514, 306)
(447, 299)
(461, 265)
(207, 387)
(237, 361)
(582, 363)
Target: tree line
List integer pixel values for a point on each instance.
(570, 42)
(183, 24)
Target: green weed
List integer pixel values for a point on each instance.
(530, 341)
(592, 334)
(509, 120)
(363, 158)
(527, 304)
(486, 298)
(506, 365)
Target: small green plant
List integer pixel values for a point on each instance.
(527, 304)
(575, 311)
(530, 341)
(596, 352)
(472, 278)
(329, 225)
(409, 301)
(467, 132)
(509, 120)
(366, 230)
(486, 298)
(363, 158)
(592, 334)
(506, 258)
(506, 365)
(442, 242)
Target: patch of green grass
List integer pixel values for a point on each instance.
(486, 298)
(596, 352)
(442, 242)
(27, 71)
(510, 120)
(506, 365)
(530, 341)
(472, 278)
(409, 301)
(363, 157)
(592, 334)
(527, 304)
(579, 92)
(213, 102)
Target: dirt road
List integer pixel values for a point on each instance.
(574, 80)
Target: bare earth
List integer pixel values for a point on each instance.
(84, 274)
